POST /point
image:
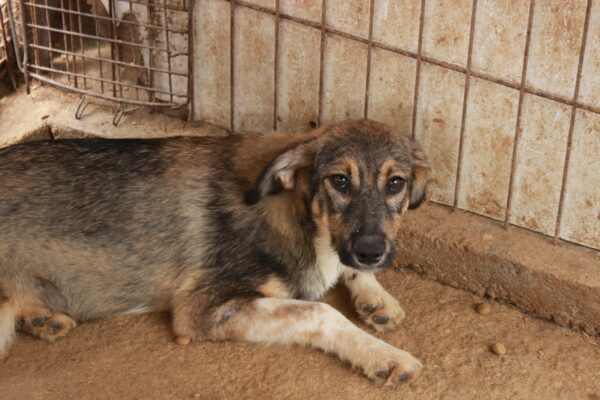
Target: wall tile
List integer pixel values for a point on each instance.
(539, 164)
(488, 146)
(446, 30)
(589, 89)
(396, 23)
(306, 9)
(298, 76)
(437, 129)
(344, 78)
(212, 102)
(556, 36)
(263, 3)
(350, 16)
(581, 213)
(254, 67)
(499, 38)
(391, 90)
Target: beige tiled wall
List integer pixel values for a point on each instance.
(437, 127)
(489, 136)
(498, 92)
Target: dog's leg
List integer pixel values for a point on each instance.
(285, 321)
(45, 324)
(7, 325)
(377, 308)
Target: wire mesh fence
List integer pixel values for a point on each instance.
(6, 52)
(133, 52)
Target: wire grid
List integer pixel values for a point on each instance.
(6, 50)
(116, 50)
(3, 38)
(420, 58)
(4, 35)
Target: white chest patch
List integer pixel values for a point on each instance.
(327, 268)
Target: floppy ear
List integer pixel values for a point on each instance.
(420, 177)
(281, 172)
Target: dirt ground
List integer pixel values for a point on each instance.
(134, 357)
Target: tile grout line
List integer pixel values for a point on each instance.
(321, 59)
(588, 12)
(369, 52)
(231, 67)
(276, 66)
(519, 114)
(190, 82)
(465, 102)
(419, 57)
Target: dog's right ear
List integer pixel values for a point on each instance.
(281, 172)
(420, 176)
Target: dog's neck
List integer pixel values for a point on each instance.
(313, 263)
(327, 267)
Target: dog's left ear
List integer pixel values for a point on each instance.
(420, 176)
(280, 173)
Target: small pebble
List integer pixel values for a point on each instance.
(492, 291)
(483, 308)
(498, 349)
(183, 340)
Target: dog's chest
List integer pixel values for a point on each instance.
(324, 273)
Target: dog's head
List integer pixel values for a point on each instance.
(359, 179)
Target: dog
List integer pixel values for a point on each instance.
(237, 236)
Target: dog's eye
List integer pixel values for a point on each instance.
(340, 183)
(395, 185)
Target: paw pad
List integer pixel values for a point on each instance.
(55, 327)
(369, 308)
(45, 325)
(404, 377)
(384, 373)
(381, 319)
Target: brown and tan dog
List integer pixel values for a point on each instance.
(236, 236)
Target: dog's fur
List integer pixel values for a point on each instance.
(235, 236)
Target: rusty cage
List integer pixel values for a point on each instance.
(6, 52)
(126, 52)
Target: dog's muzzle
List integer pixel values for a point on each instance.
(371, 251)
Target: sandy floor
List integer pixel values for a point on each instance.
(133, 357)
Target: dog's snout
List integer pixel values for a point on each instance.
(369, 249)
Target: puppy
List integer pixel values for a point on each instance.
(236, 236)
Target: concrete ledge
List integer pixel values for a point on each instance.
(50, 113)
(557, 282)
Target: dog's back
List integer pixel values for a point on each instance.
(92, 218)
(98, 227)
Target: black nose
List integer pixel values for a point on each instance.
(369, 249)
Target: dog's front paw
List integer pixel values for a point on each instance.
(379, 310)
(391, 365)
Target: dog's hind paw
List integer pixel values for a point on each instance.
(45, 324)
